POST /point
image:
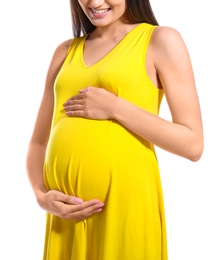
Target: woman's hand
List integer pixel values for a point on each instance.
(93, 103)
(68, 207)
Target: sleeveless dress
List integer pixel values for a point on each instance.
(101, 159)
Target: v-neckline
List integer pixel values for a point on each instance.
(108, 53)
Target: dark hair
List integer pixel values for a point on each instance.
(137, 11)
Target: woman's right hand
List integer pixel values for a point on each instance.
(68, 207)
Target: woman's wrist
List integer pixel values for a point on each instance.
(40, 198)
(39, 193)
(119, 107)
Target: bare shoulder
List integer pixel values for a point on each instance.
(61, 50)
(165, 37)
(58, 57)
(57, 60)
(64, 45)
(167, 44)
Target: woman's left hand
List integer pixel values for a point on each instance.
(91, 102)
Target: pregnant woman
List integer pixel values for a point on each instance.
(91, 160)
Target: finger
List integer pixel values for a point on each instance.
(85, 210)
(86, 89)
(75, 107)
(91, 205)
(83, 90)
(72, 100)
(72, 200)
(77, 211)
(79, 96)
(77, 113)
(77, 101)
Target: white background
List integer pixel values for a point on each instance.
(30, 31)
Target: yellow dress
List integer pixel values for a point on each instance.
(101, 159)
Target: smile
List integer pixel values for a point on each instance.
(100, 11)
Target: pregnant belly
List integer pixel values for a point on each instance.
(78, 158)
(84, 155)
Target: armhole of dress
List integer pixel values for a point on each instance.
(152, 146)
(145, 50)
(149, 35)
(72, 42)
(70, 45)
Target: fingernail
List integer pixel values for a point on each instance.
(78, 200)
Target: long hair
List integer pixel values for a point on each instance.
(137, 11)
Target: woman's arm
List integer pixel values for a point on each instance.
(169, 67)
(52, 201)
(184, 135)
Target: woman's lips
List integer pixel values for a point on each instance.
(99, 12)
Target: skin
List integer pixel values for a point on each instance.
(168, 66)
